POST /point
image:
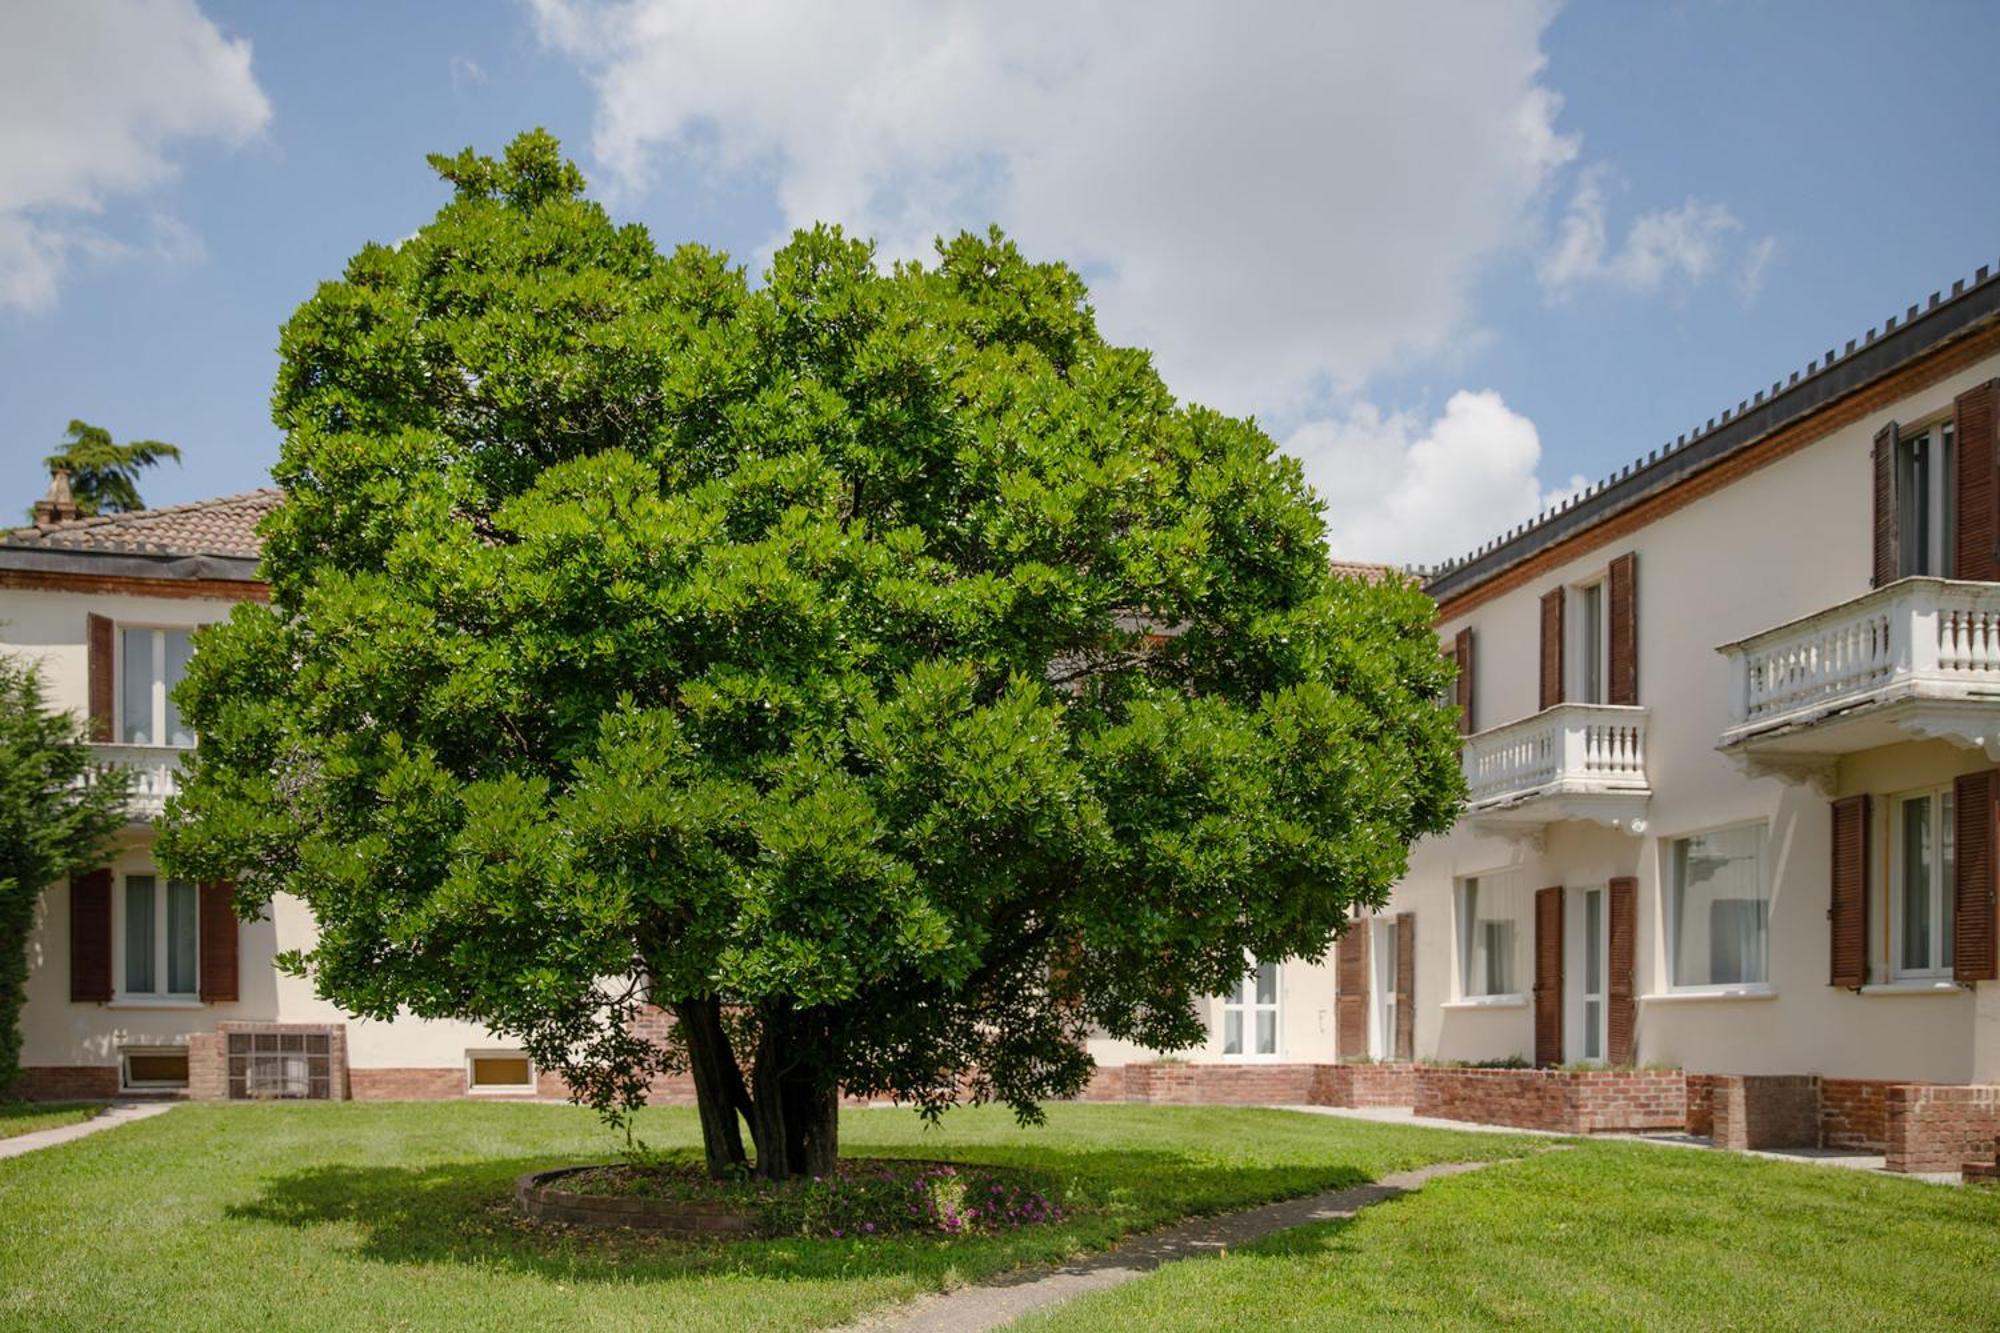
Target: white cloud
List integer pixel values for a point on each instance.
(92, 94)
(1677, 245)
(1278, 199)
(1403, 490)
(465, 72)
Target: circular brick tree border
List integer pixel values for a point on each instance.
(540, 1196)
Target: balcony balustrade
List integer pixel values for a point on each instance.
(1572, 761)
(155, 771)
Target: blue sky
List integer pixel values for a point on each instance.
(1454, 258)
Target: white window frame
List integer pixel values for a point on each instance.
(126, 1083)
(1584, 645)
(1382, 988)
(473, 1089)
(1465, 921)
(1242, 998)
(1670, 906)
(1938, 504)
(1576, 1000)
(1941, 887)
(157, 727)
(157, 999)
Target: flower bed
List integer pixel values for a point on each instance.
(863, 1198)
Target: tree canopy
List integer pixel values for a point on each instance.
(57, 814)
(103, 474)
(871, 666)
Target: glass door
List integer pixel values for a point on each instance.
(1586, 967)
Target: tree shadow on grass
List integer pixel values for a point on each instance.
(464, 1213)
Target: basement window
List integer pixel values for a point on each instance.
(280, 1066)
(153, 1069)
(499, 1071)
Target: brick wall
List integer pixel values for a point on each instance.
(1587, 1101)
(208, 1057)
(1854, 1113)
(67, 1083)
(1935, 1127)
(1367, 1085)
(1701, 1109)
(1765, 1110)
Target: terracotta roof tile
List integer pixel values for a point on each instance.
(225, 526)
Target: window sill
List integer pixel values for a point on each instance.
(1922, 986)
(1715, 993)
(1271, 1059)
(155, 1002)
(1488, 1002)
(518, 1090)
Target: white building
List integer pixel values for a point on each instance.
(1733, 719)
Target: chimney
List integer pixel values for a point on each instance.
(58, 506)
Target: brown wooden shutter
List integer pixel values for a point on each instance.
(219, 933)
(1462, 653)
(1622, 1009)
(1888, 562)
(101, 644)
(1624, 610)
(1552, 648)
(1847, 906)
(90, 937)
(1976, 522)
(1548, 975)
(1976, 849)
(1406, 985)
(1350, 1002)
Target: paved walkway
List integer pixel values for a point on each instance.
(993, 1304)
(119, 1113)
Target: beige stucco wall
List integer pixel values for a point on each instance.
(1786, 540)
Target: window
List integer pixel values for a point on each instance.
(153, 1069)
(153, 661)
(161, 939)
(1250, 1013)
(1589, 964)
(1719, 915)
(280, 1066)
(1488, 908)
(1588, 652)
(1920, 885)
(1924, 496)
(498, 1071)
(1382, 945)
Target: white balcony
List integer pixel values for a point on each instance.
(1572, 761)
(1918, 659)
(155, 771)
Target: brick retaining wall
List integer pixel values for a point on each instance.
(1765, 1110)
(1940, 1127)
(1854, 1113)
(1566, 1101)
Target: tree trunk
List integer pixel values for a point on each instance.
(718, 1084)
(794, 1110)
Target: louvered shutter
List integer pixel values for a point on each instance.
(90, 937)
(101, 647)
(1406, 985)
(1350, 962)
(1976, 851)
(1552, 648)
(1624, 611)
(1622, 1017)
(1462, 653)
(1888, 562)
(220, 932)
(1548, 975)
(1847, 904)
(1976, 522)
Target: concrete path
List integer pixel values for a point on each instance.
(993, 1304)
(119, 1113)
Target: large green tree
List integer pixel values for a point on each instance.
(103, 474)
(873, 667)
(57, 815)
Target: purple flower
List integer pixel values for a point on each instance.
(868, 1227)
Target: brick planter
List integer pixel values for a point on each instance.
(540, 1196)
(1939, 1127)
(1563, 1101)
(1368, 1085)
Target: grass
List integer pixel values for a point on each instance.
(344, 1215)
(1602, 1235)
(27, 1117)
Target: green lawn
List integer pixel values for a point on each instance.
(27, 1117)
(346, 1216)
(1603, 1235)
